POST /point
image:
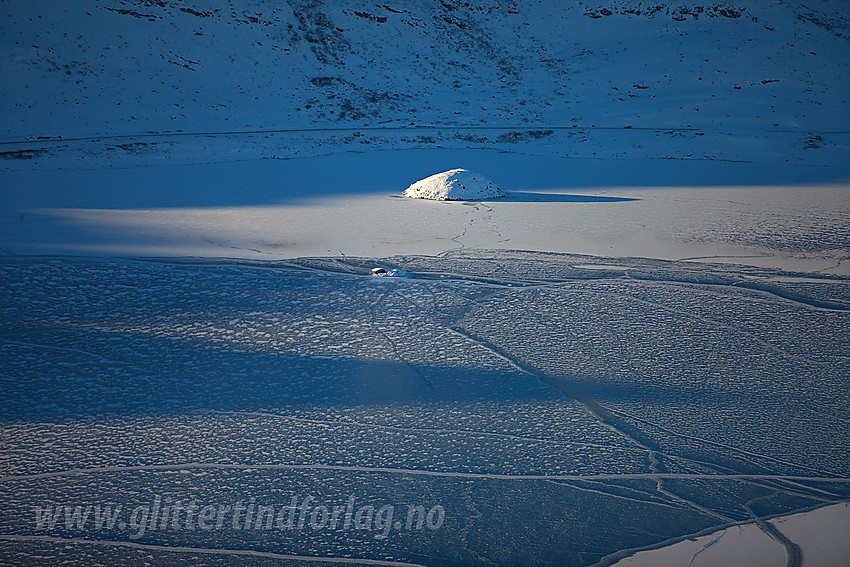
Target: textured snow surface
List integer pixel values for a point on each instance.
(454, 185)
(547, 397)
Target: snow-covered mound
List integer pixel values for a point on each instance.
(454, 185)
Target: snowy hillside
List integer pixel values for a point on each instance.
(122, 67)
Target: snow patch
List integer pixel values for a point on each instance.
(454, 185)
(382, 273)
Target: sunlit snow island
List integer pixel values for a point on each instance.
(454, 185)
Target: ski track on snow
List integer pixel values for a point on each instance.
(204, 550)
(417, 472)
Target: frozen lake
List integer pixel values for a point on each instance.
(792, 216)
(529, 395)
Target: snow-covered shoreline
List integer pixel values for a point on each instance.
(820, 535)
